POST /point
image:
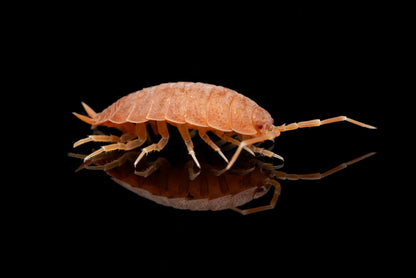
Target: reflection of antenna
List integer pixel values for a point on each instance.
(317, 176)
(284, 176)
(181, 185)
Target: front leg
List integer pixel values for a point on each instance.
(247, 143)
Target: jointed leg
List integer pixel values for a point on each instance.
(117, 146)
(243, 144)
(231, 140)
(184, 131)
(265, 152)
(318, 122)
(97, 138)
(129, 145)
(204, 136)
(163, 131)
(261, 151)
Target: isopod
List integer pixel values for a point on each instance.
(188, 105)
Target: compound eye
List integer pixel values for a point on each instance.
(259, 126)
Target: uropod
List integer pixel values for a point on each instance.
(187, 105)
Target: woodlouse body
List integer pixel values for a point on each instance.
(197, 105)
(188, 105)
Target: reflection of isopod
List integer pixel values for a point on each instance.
(178, 185)
(187, 106)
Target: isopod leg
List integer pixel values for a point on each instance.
(243, 144)
(271, 205)
(163, 131)
(183, 129)
(265, 152)
(205, 137)
(130, 145)
(97, 138)
(231, 140)
(118, 146)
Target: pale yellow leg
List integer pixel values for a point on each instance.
(205, 137)
(117, 146)
(184, 131)
(130, 145)
(231, 140)
(97, 138)
(163, 131)
(265, 152)
(243, 144)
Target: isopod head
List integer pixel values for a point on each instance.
(263, 122)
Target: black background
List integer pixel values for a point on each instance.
(299, 62)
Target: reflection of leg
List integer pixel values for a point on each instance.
(159, 162)
(184, 131)
(192, 174)
(205, 137)
(99, 162)
(163, 131)
(318, 176)
(271, 205)
(110, 165)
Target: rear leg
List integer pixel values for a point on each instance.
(163, 131)
(129, 145)
(97, 138)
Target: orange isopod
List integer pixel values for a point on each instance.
(188, 105)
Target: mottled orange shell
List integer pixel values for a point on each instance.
(198, 105)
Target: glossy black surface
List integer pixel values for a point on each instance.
(299, 63)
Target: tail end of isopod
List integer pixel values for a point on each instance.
(89, 110)
(83, 118)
